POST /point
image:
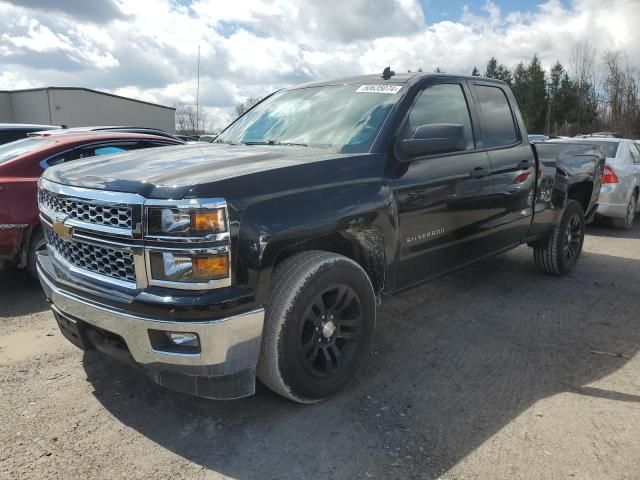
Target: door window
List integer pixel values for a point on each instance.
(635, 153)
(441, 103)
(108, 150)
(500, 126)
(60, 158)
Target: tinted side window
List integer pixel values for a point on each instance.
(60, 158)
(108, 150)
(635, 153)
(441, 103)
(500, 125)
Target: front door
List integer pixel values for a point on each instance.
(443, 200)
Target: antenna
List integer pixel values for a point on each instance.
(198, 96)
(387, 73)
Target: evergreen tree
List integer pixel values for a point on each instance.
(475, 72)
(535, 106)
(492, 68)
(553, 96)
(497, 71)
(520, 83)
(567, 104)
(504, 74)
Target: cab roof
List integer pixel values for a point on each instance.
(397, 79)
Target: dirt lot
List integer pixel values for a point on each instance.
(492, 372)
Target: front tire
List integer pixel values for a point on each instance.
(560, 253)
(36, 241)
(318, 326)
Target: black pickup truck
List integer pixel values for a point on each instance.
(265, 253)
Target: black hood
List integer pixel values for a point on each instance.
(170, 172)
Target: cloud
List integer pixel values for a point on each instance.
(101, 11)
(148, 48)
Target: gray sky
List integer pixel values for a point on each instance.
(147, 49)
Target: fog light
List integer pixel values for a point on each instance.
(175, 342)
(186, 339)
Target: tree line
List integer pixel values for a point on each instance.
(190, 121)
(595, 93)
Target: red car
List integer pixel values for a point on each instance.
(22, 162)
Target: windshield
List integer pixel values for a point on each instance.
(553, 150)
(610, 148)
(344, 117)
(9, 151)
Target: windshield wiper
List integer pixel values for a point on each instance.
(277, 142)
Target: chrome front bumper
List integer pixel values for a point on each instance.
(229, 346)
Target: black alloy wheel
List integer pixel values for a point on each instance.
(574, 234)
(330, 330)
(559, 253)
(319, 321)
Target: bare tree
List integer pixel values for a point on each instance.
(242, 107)
(583, 63)
(185, 119)
(203, 118)
(620, 85)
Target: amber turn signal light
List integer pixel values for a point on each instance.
(211, 268)
(208, 221)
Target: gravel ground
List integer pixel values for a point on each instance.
(495, 371)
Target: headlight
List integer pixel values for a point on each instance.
(187, 267)
(185, 222)
(201, 228)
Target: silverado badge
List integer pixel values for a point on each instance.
(61, 229)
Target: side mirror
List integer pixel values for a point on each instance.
(433, 138)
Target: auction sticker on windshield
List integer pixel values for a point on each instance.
(379, 89)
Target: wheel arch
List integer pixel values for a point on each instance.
(582, 192)
(25, 244)
(353, 220)
(364, 245)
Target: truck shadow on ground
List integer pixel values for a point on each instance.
(452, 363)
(20, 294)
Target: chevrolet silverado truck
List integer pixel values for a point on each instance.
(265, 253)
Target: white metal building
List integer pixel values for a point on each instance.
(78, 107)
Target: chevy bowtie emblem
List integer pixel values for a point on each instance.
(61, 229)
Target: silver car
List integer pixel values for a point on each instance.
(621, 181)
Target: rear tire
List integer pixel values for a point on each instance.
(627, 222)
(36, 241)
(318, 326)
(560, 253)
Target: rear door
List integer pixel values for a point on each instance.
(513, 165)
(443, 199)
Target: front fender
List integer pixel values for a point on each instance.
(272, 225)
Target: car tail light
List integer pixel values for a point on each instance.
(609, 175)
(522, 177)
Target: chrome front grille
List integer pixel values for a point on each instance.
(87, 212)
(97, 235)
(111, 262)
